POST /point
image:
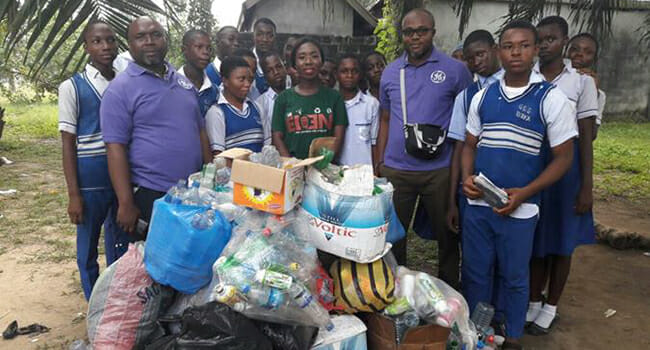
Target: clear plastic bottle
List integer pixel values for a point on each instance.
(403, 323)
(177, 192)
(204, 221)
(306, 301)
(482, 316)
(268, 298)
(192, 196)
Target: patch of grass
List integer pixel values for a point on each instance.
(622, 160)
(38, 120)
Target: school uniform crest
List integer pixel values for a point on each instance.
(438, 77)
(184, 83)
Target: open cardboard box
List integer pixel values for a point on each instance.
(381, 335)
(263, 187)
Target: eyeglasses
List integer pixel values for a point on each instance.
(408, 32)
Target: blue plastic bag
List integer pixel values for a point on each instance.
(422, 225)
(182, 245)
(396, 230)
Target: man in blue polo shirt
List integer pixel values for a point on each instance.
(152, 126)
(432, 81)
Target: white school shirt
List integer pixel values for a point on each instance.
(206, 80)
(68, 113)
(266, 102)
(215, 123)
(458, 122)
(602, 98)
(580, 89)
(561, 125)
(122, 61)
(363, 127)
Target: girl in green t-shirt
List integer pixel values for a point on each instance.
(308, 110)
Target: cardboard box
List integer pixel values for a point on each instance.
(266, 188)
(381, 335)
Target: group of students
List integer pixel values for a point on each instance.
(529, 127)
(526, 126)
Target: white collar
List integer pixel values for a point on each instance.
(568, 68)
(259, 66)
(271, 93)
(485, 81)
(535, 77)
(358, 98)
(206, 80)
(93, 73)
(217, 62)
(222, 101)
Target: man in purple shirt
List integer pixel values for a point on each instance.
(152, 126)
(432, 81)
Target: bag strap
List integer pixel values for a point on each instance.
(402, 92)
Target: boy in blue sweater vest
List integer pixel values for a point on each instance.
(507, 124)
(92, 201)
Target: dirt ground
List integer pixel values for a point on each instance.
(39, 280)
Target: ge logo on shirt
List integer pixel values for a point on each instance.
(184, 83)
(438, 77)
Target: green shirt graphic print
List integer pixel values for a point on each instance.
(304, 118)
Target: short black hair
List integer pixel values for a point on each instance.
(587, 36)
(230, 63)
(330, 60)
(364, 62)
(422, 11)
(350, 56)
(268, 55)
(224, 28)
(91, 24)
(243, 52)
(519, 24)
(480, 35)
(302, 42)
(557, 20)
(189, 35)
(265, 20)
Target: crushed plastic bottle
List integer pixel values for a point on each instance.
(403, 323)
(306, 301)
(203, 221)
(482, 316)
(268, 156)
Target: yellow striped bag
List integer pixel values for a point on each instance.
(362, 287)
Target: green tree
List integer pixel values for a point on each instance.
(46, 27)
(594, 16)
(199, 15)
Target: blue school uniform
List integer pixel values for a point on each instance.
(214, 75)
(207, 94)
(244, 131)
(511, 131)
(99, 200)
(560, 228)
(227, 127)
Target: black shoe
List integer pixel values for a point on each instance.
(511, 346)
(537, 330)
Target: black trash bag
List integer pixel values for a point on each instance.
(286, 337)
(214, 326)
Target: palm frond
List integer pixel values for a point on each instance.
(593, 16)
(463, 9)
(44, 26)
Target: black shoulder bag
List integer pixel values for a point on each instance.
(423, 141)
